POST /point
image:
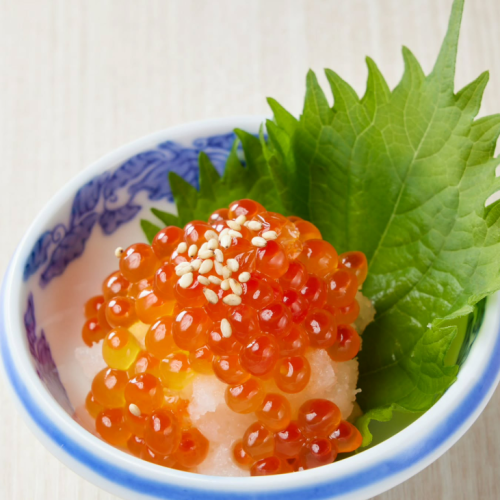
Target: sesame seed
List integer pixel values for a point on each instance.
(219, 256)
(193, 250)
(206, 254)
(241, 219)
(244, 277)
(183, 268)
(119, 251)
(186, 280)
(235, 286)
(257, 241)
(135, 410)
(233, 225)
(246, 223)
(235, 234)
(182, 247)
(203, 280)
(195, 264)
(211, 296)
(210, 234)
(233, 264)
(254, 225)
(225, 241)
(213, 244)
(218, 268)
(203, 247)
(214, 280)
(232, 300)
(270, 235)
(225, 328)
(226, 272)
(206, 267)
(225, 285)
(223, 232)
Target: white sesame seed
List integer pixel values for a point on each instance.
(213, 244)
(225, 241)
(214, 280)
(257, 241)
(218, 268)
(232, 300)
(182, 247)
(135, 410)
(246, 223)
(186, 280)
(254, 225)
(206, 267)
(195, 264)
(233, 225)
(219, 256)
(119, 251)
(235, 286)
(210, 234)
(181, 270)
(203, 280)
(211, 296)
(244, 277)
(203, 247)
(225, 285)
(193, 250)
(225, 328)
(235, 234)
(270, 235)
(223, 232)
(241, 219)
(233, 264)
(206, 254)
(226, 272)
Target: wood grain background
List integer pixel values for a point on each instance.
(79, 78)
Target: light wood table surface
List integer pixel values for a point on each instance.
(79, 78)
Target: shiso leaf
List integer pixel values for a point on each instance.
(380, 414)
(403, 176)
(250, 180)
(167, 218)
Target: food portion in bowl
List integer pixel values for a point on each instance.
(251, 306)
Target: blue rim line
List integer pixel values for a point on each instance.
(328, 489)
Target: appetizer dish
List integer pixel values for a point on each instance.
(311, 298)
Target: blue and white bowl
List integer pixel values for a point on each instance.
(66, 252)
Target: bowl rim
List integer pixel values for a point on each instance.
(366, 474)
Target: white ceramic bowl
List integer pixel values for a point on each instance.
(69, 248)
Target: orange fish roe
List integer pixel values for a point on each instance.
(245, 297)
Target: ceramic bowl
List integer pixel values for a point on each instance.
(70, 247)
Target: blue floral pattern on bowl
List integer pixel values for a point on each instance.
(109, 200)
(42, 357)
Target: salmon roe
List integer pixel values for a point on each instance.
(245, 297)
(92, 332)
(241, 457)
(347, 438)
(166, 241)
(138, 262)
(92, 306)
(270, 466)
